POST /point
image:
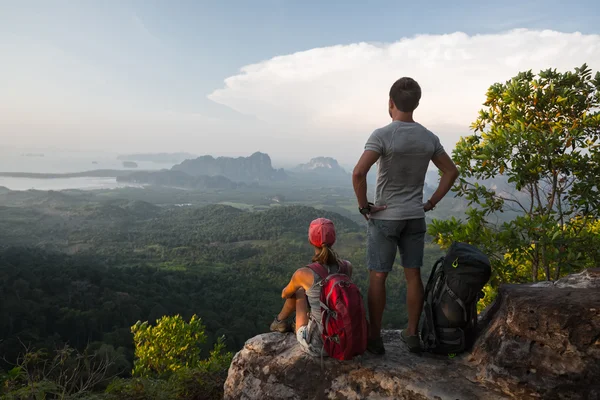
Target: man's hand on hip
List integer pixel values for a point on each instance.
(428, 206)
(374, 210)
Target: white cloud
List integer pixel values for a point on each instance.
(342, 90)
(51, 95)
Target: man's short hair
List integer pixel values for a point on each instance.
(406, 93)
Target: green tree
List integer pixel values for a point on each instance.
(173, 344)
(540, 136)
(171, 351)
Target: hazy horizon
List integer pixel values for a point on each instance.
(291, 79)
(87, 156)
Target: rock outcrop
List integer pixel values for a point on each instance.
(256, 167)
(537, 341)
(322, 165)
(544, 337)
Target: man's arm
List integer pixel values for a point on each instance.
(359, 181)
(449, 175)
(299, 280)
(359, 176)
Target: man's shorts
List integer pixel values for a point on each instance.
(385, 236)
(309, 338)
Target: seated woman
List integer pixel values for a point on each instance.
(303, 292)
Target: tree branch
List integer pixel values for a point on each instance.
(553, 193)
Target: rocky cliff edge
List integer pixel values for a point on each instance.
(538, 341)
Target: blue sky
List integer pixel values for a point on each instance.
(115, 64)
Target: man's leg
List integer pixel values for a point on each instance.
(376, 300)
(381, 252)
(414, 298)
(412, 247)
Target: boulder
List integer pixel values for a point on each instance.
(537, 341)
(545, 337)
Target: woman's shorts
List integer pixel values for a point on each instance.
(309, 338)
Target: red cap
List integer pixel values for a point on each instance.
(321, 232)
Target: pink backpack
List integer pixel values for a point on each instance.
(343, 313)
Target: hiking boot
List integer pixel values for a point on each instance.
(412, 341)
(282, 326)
(375, 346)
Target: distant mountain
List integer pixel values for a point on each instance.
(164, 158)
(178, 179)
(322, 165)
(257, 167)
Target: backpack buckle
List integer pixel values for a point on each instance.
(334, 338)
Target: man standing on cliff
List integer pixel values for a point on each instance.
(396, 220)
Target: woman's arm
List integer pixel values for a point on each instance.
(302, 278)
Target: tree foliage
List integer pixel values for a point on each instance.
(79, 270)
(169, 364)
(540, 135)
(173, 344)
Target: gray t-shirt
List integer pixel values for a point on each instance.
(405, 150)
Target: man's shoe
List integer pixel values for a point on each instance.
(282, 326)
(375, 346)
(412, 341)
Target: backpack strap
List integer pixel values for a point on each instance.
(456, 299)
(431, 279)
(319, 270)
(427, 325)
(344, 267)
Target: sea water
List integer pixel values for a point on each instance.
(65, 162)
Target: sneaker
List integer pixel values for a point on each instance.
(282, 326)
(412, 341)
(375, 346)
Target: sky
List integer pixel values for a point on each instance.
(295, 79)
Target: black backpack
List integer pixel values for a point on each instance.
(449, 323)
